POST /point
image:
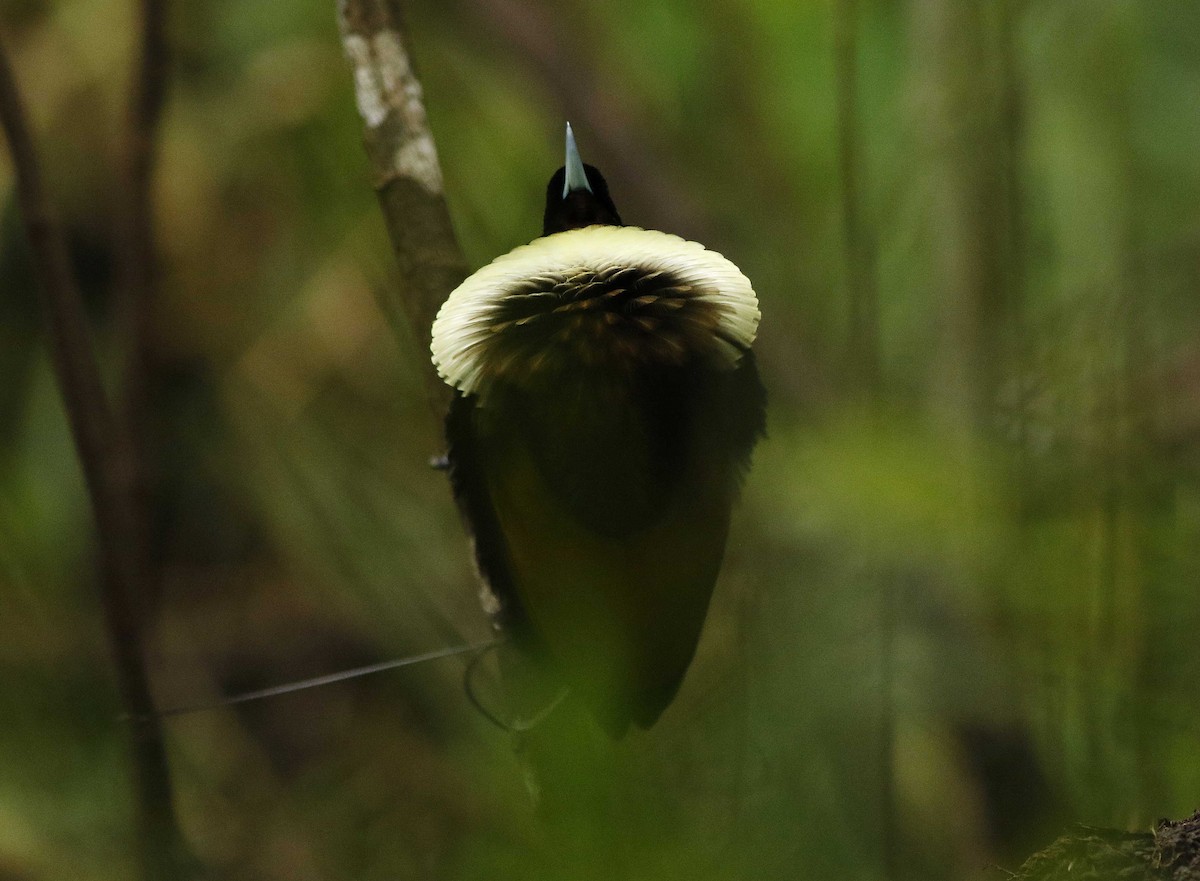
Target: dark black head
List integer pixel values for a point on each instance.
(577, 195)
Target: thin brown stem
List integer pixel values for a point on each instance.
(106, 470)
(138, 267)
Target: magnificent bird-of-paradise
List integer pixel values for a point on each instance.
(606, 405)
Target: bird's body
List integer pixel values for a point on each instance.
(606, 407)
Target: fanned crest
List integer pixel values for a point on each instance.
(654, 295)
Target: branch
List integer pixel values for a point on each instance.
(147, 98)
(137, 261)
(408, 177)
(106, 473)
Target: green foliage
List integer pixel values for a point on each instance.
(1019, 497)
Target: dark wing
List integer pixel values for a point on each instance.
(469, 485)
(599, 514)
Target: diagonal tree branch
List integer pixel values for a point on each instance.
(106, 470)
(404, 161)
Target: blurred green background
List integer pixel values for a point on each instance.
(973, 533)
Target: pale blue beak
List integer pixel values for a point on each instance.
(576, 177)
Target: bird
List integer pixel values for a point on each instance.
(605, 406)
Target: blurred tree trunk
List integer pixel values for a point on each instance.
(105, 454)
(864, 371)
(863, 301)
(968, 115)
(955, 103)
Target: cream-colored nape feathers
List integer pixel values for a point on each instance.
(464, 325)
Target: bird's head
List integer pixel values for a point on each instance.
(577, 195)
